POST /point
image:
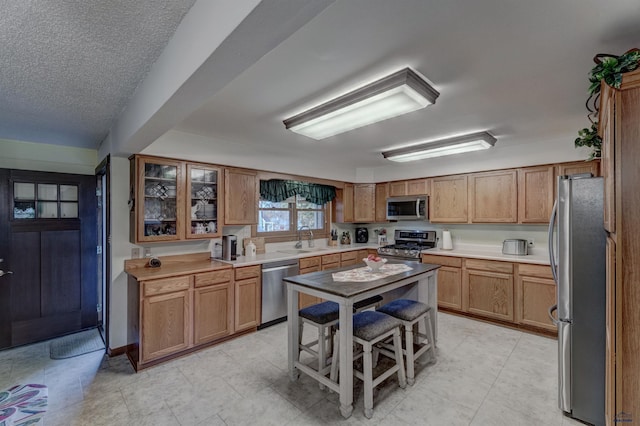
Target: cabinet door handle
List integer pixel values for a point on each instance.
(2, 273)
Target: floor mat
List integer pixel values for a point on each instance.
(76, 344)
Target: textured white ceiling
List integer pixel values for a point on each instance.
(69, 67)
(515, 68)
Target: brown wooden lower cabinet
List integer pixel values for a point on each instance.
(166, 324)
(488, 294)
(248, 297)
(349, 258)
(450, 287)
(213, 312)
(449, 280)
(536, 291)
(305, 300)
(518, 293)
(172, 315)
(307, 266)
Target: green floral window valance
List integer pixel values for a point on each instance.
(278, 190)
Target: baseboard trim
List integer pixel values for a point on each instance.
(116, 351)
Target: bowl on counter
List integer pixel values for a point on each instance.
(373, 265)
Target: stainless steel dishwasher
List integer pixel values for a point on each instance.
(274, 290)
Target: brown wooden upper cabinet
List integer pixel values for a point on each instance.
(398, 189)
(409, 187)
(241, 197)
(364, 202)
(448, 201)
(579, 167)
(418, 187)
(493, 197)
(342, 205)
(535, 194)
(157, 198)
(202, 208)
(382, 192)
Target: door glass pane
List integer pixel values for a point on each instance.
(68, 210)
(210, 176)
(47, 192)
(169, 172)
(68, 193)
(47, 209)
(24, 210)
(197, 175)
(152, 170)
(24, 191)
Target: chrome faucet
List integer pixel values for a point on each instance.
(310, 237)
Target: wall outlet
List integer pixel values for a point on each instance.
(530, 243)
(135, 253)
(147, 252)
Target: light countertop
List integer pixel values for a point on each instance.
(288, 253)
(491, 252)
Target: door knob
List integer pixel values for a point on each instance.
(4, 273)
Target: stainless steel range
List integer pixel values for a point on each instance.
(408, 244)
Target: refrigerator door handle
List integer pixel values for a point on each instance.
(552, 255)
(551, 317)
(564, 366)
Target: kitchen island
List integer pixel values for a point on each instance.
(420, 279)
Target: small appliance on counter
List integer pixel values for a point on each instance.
(446, 240)
(362, 235)
(515, 247)
(408, 245)
(229, 246)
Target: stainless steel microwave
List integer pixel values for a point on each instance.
(415, 207)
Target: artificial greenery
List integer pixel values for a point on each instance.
(589, 137)
(611, 68)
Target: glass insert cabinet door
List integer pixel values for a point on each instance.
(202, 201)
(159, 198)
(44, 201)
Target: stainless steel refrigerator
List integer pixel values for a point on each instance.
(579, 271)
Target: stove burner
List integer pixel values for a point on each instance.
(409, 244)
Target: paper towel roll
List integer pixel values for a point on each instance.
(446, 241)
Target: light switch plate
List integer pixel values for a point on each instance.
(147, 252)
(135, 252)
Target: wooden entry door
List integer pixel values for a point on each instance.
(51, 250)
(5, 267)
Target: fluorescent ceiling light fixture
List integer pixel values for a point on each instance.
(441, 147)
(397, 94)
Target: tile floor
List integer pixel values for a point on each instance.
(484, 375)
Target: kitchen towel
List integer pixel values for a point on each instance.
(446, 240)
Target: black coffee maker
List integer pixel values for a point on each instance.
(362, 235)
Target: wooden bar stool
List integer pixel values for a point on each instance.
(370, 328)
(324, 316)
(410, 312)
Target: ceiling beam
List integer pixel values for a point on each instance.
(216, 41)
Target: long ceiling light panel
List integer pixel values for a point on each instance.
(397, 94)
(441, 147)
